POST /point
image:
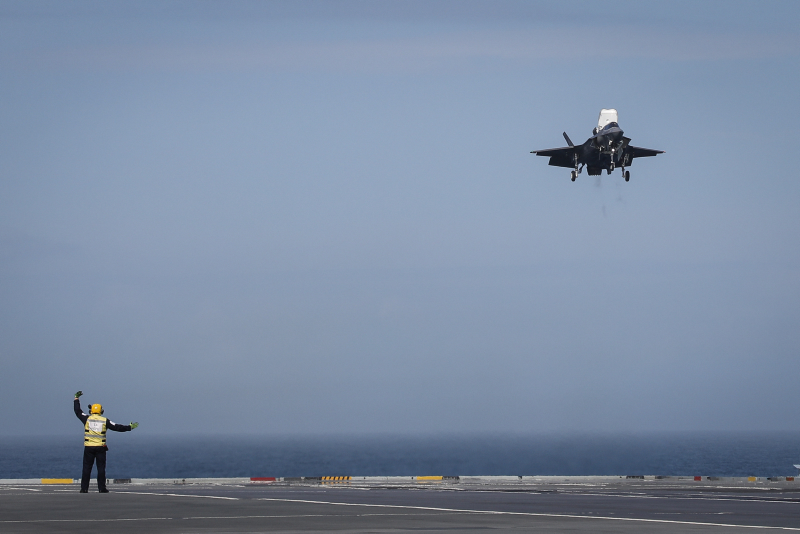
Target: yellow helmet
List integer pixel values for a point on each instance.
(97, 408)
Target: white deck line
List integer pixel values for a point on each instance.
(537, 514)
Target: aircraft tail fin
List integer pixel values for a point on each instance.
(569, 142)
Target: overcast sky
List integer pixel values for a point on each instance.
(316, 217)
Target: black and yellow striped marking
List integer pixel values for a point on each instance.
(335, 479)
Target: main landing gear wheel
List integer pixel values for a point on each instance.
(574, 174)
(627, 175)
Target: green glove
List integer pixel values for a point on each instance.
(78, 394)
(134, 425)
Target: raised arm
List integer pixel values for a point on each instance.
(78, 411)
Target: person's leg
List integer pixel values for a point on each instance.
(88, 460)
(101, 469)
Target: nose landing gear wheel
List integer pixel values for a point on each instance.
(573, 175)
(627, 176)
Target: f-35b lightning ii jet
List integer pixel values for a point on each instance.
(606, 149)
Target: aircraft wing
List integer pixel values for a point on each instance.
(559, 157)
(638, 152)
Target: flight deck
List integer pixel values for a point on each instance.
(369, 504)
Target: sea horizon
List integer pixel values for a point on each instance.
(671, 453)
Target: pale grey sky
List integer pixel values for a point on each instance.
(304, 217)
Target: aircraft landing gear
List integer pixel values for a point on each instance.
(627, 175)
(574, 174)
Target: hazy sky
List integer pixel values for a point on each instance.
(319, 217)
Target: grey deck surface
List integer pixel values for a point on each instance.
(624, 507)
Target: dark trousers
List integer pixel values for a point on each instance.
(90, 454)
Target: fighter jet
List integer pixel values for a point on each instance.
(607, 149)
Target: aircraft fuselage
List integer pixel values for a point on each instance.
(604, 150)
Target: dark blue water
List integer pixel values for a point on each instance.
(138, 456)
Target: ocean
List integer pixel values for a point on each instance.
(143, 456)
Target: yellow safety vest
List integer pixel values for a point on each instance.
(95, 431)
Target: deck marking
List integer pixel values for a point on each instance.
(689, 497)
(280, 516)
(85, 520)
(535, 514)
(180, 495)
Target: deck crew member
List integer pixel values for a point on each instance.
(94, 441)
